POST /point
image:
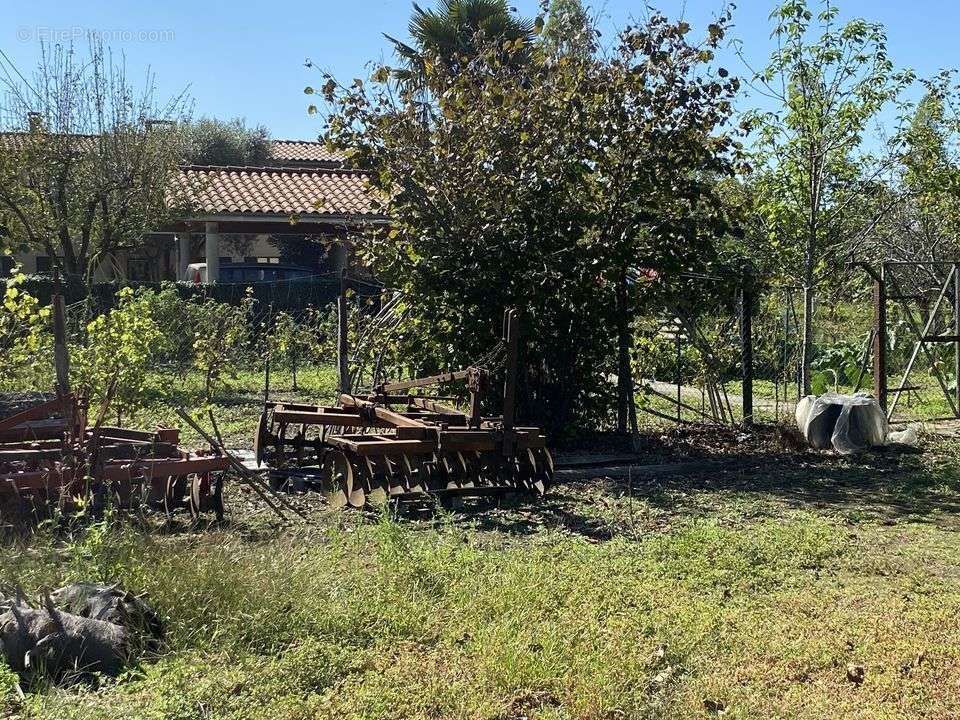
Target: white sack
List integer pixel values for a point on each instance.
(847, 423)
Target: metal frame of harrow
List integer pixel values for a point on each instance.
(48, 453)
(368, 452)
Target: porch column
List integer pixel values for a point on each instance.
(213, 253)
(183, 255)
(338, 256)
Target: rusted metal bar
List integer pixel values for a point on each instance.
(879, 334)
(456, 376)
(956, 332)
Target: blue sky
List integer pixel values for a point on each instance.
(246, 58)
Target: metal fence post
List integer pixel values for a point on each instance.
(880, 336)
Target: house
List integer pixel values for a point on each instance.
(302, 209)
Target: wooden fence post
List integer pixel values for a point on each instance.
(343, 368)
(61, 354)
(746, 345)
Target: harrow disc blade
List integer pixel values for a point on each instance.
(378, 472)
(337, 479)
(395, 482)
(543, 469)
(260, 438)
(358, 482)
(412, 470)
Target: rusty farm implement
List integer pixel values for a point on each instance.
(50, 455)
(397, 444)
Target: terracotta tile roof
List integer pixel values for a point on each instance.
(303, 151)
(15, 141)
(275, 191)
(285, 152)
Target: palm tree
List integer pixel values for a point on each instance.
(456, 30)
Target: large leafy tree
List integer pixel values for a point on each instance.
(545, 186)
(85, 178)
(816, 179)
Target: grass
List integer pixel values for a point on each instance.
(757, 590)
(749, 593)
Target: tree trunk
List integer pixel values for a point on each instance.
(624, 344)
(807, 345)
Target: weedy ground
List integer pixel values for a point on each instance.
(779, 584)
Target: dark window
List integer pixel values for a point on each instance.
(226, 261)
(6, 265)
(137, 269)
(43, 263)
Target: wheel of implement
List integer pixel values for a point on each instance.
(337, 479)
(206, 494)
(260, 438)
(378, 471)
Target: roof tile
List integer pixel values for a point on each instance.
(284, 191)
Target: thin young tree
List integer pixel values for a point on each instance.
(828, 83)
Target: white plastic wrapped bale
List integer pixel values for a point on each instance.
(847, 423)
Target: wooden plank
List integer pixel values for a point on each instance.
(941, 338)
(38, 430)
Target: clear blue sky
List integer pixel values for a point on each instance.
(246, 59)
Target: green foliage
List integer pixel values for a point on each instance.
(296, 342)
(544, 185)
(25, 343)
(569, 29)
(837, 364)
(813, 175)
(221, 333)
(110, 368)
(209, 141)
